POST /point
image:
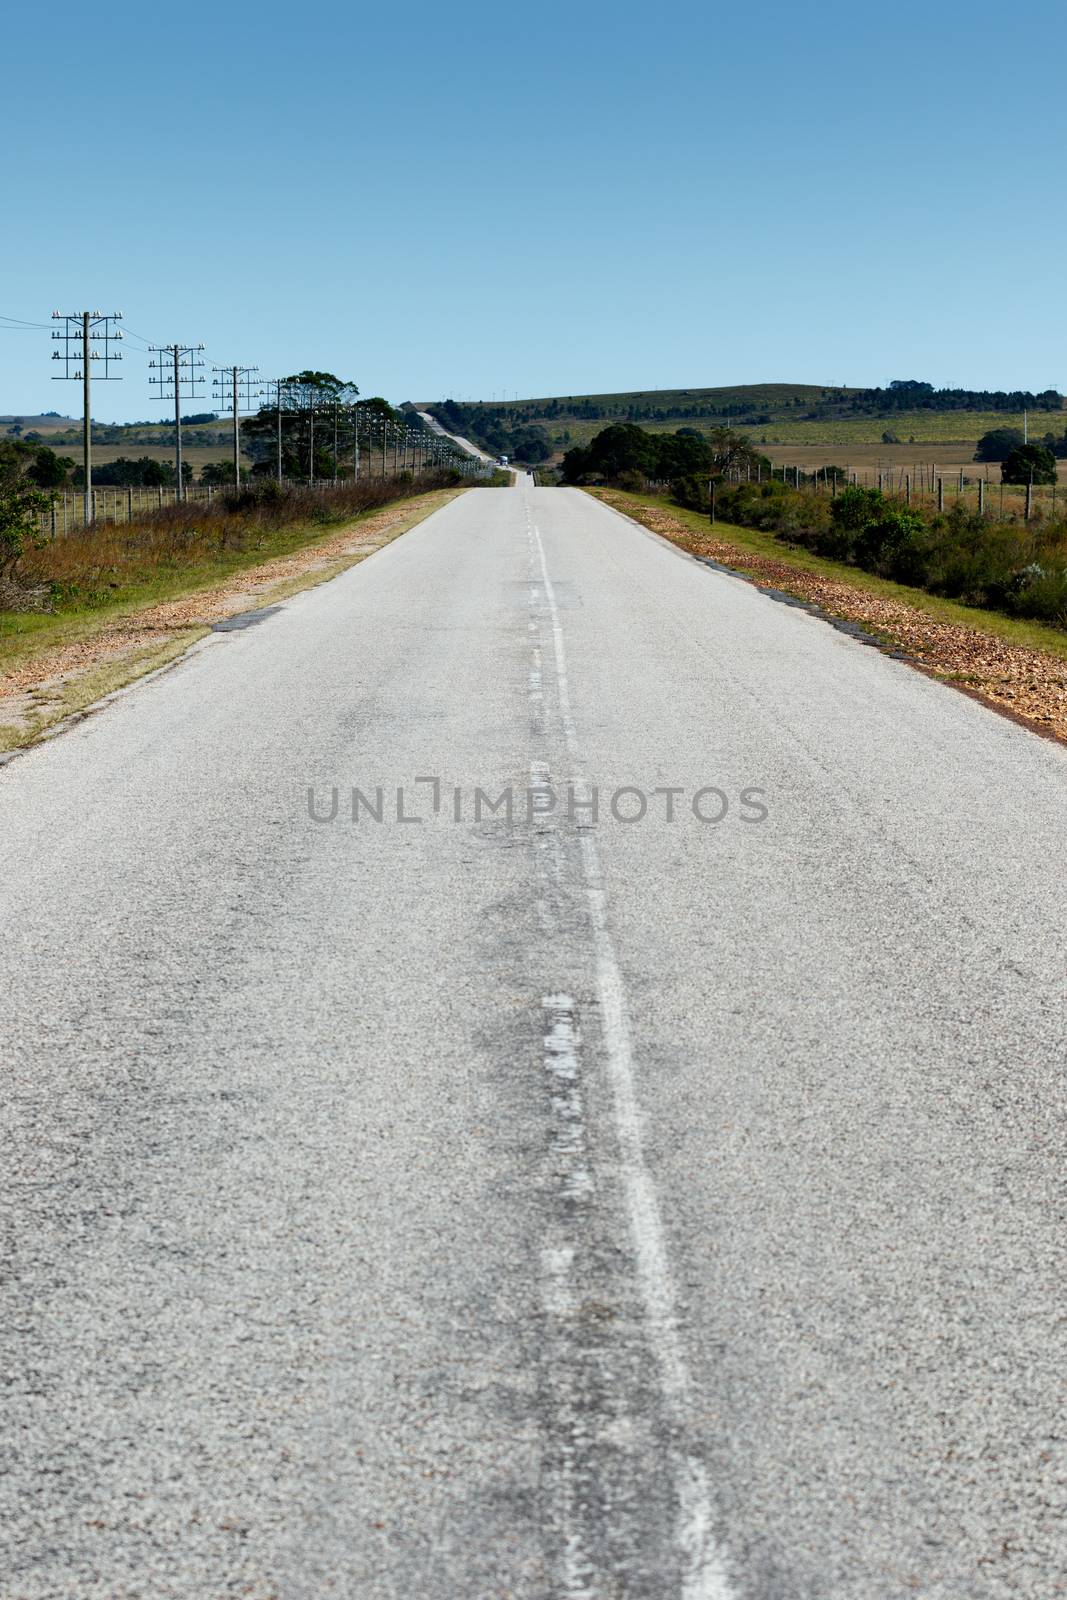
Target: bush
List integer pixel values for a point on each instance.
(254, 495)
(1038, 593)
(1029, 463)
(890, 545)
(997, 443)
(691, 492)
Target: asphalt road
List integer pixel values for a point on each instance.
(464, 1209)
(457, 438)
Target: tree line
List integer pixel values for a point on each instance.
(629, 457)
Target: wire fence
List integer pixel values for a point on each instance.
(927, 486)
(111, 504)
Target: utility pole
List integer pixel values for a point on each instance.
(282, 398)
(182, 378)
(80, 331)
(236, 384)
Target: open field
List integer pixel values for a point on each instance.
(784, 413)
(890, 458)
(795, 424)
(924, 427)
(195, 454)
(942, 428)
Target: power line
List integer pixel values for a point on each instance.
(237, 384)
(177, 380)
(80, 331)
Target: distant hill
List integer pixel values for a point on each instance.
(906, 411)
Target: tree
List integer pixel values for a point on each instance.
(732, 454)
(997, 444)
(681, 454)
(1029, 463)
(310, 400)
(218, 472)
(125, 473)
(530, 444)
(21, 504)
(674, 457)
(47, 470)
(623, 447)
(577, 465)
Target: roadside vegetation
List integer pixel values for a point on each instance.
(111, 568)
(1016, 567)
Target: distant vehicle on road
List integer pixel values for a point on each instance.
(504, 462)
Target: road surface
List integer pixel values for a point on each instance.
(637, 1209)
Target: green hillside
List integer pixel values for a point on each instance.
(908, 413)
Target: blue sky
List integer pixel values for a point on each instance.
(541, 199)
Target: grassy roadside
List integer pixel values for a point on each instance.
(120, 593)
(54, 665)
(1017, 666)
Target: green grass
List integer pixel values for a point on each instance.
(1033, 635)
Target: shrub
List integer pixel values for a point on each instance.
(691, 492)
(891, 543)
(1038, 593)
(256, 494)
(997, 444)
(1029, 463)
